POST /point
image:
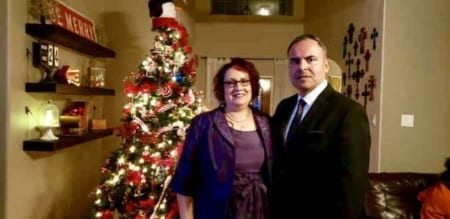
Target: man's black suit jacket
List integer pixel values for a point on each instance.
(321, 172)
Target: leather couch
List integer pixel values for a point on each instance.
(394, 195)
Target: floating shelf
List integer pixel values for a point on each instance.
(59, 35)
(64, 141)
(67, 89)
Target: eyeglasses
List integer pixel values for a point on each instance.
(234, 83)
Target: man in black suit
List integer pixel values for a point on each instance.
(321, 146)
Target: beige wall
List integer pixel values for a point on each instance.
(247, 40)
(416, 80)
(4, 16)
(217, 39)
(44, 185)
(413, 78)
(329, 20)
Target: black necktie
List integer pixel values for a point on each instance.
(297, 119)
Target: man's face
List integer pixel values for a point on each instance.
(308, 65)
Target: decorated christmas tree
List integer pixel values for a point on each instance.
(160, 107)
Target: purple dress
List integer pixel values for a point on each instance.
(249, 200)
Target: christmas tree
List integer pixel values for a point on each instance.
(161, 105)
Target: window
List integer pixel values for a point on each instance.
(252, 7)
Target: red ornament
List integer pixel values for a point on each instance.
(134, 177)
(126, 111)
(147, 87)
(130, 206)
(108, 214)
(165, 91)
(188, 49)
(127, 130)
(148, 203)
(148, 138)
(130, 88)
(139, 216)
(161, 22)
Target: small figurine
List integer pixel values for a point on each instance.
(161, 8)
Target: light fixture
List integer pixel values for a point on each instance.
(49, 118)
(263, 10)
(265, 84)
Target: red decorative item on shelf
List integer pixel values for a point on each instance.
(74, 118)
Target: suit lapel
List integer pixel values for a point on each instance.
(319, 107)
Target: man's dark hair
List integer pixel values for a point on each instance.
(305, 37)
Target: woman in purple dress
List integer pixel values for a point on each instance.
(224, 169)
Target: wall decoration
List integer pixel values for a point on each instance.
(350, 31)
(358, 64)
(61, 75)
(365, 93)
(355, 54)
(349, 63)
(344, 79)
(96, 77)
(371, 86)
(74, 118)
(73, 76)
(362, 40)
(373, 37)
(355, 48)
(367, 58)
(72, 20)
(349, 90)
(344, 47)
(42, 10)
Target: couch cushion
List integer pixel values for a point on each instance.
(394, 195)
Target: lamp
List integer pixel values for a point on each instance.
(264, 10)
(49, 118)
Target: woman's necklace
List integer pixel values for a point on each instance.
(231, 117)
(237, 123)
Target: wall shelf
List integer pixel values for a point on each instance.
(66, 89)
(64, 141)
(59, 35)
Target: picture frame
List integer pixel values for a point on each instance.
(96, 77)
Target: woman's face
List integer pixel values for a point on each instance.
(237, 88)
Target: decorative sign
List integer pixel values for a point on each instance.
(70, 19)
(73, 76)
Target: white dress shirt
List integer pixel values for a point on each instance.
(309, 99)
